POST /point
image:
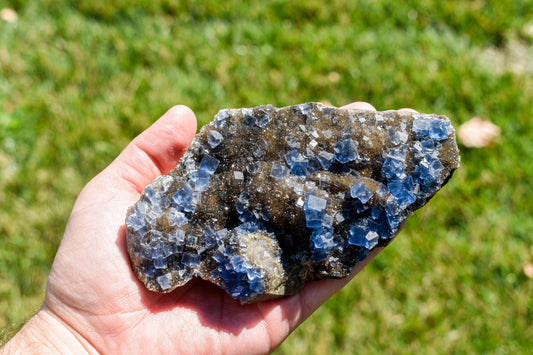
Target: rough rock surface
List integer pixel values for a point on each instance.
(267, 198)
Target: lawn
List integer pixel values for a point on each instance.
(80, 79)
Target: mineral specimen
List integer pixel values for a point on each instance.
(267, 198)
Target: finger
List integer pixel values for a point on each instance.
(409, 110)
(155, 151)
(359, 105)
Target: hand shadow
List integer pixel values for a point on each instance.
(210, 303)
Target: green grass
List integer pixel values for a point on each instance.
(79, 79)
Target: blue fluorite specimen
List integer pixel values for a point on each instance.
(267, 199)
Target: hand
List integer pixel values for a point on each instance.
(94, 303)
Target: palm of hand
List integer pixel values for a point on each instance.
(92, 290)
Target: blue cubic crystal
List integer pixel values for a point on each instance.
(220, 119)
(325, 159)
(248, 120)
(327, 221)
(322, 238)
(279, 171)
(150, 194)
(315, 211)
(177, 237)
(361, 192)
(248, 227)
(313, 165)
(176, 218)
(208, 231)
(191, 241)
(253, 168)
(379, 223)
(209, 164)
(422, 175)
(253, 273)
(265, 214)
(314, 219)
(421, 127)
(393, 168)
(201, 184)
(242, 203)
(291, 156)
(358, 206)
(321, 243)
(247, 216)
(196, 197)
(218, 256)
(427, 145)
(152, 216)
(393, 212)
(199, 174)
(135, 221)
(375, 212)
(308, 153)
(179, 219)
(293, 142)
(191, 260)
(240, 278)
(347, 132)
(157, 250)
(363, 237)
(164, 281)
(315, 203)
(142, 207)
(187, 208)
(435, 166)
(184, 195)
(346, 150)
(160, 263)
(259, 153)
(220, 236)
(403, 190)
(299, 165)
(382, 190)
(214, 138)
(263, 117)
(439, 129)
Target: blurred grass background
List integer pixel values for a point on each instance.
(79, 79)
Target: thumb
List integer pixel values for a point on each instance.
(152, 153)
(155, 151)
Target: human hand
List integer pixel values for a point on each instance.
(95, 304)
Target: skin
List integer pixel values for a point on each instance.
(95, 304)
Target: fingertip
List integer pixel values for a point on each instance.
(165, 141)
(157, 150)
(408, 110)
(180, 111)
(182, 119)
(360, 105)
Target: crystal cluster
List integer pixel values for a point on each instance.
(267, 198)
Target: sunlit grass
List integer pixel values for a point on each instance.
(78, 80)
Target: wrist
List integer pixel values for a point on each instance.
(46, 333)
